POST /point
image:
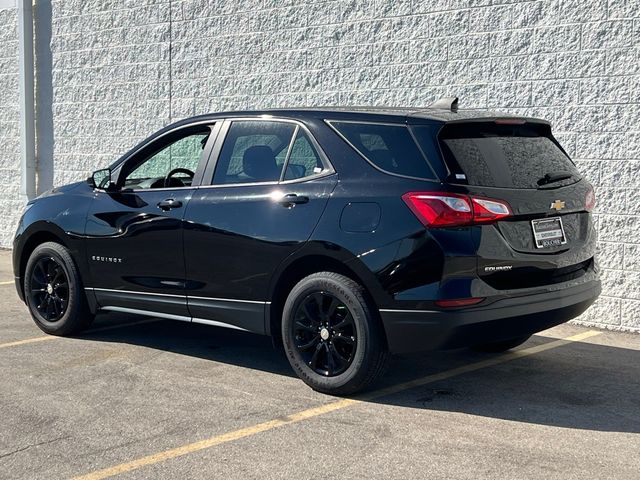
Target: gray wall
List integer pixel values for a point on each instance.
(122, 68)
(9, 127)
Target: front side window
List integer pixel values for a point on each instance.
(174, 165)
(253, 151)
(389, 147)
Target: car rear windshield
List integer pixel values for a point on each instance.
(389, 147)
(509, 156)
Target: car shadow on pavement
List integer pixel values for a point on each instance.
(576, 385)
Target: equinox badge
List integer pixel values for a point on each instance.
(557, 205)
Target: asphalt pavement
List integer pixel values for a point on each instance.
(138, 398)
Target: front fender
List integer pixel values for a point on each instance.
(58, 215)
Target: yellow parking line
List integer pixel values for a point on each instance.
(44, 338)
(217, 440)
(8, 283)
(507, 357)
(323, 409)
(28, 340)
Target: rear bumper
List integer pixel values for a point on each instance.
(418, 330)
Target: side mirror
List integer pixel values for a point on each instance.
(101, 179)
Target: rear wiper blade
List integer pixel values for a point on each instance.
(553, 177)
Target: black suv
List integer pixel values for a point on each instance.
(345, 233)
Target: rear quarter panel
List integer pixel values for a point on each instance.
(397, 258)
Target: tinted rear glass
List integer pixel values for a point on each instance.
(389, 147)
(510, 156)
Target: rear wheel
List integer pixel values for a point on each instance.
(331, 336)
(53, 291)
(502, 346)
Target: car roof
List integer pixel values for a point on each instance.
(366, 113)
(435, 114)
(414, 115)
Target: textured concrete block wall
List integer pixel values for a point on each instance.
(111, 80)
(123, 68)
(9, 125)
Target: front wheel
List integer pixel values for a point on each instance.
(53, 291)
(332, 338)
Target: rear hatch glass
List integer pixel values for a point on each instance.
(505, 156)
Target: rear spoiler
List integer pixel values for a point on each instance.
(502, 119)
(446, 110)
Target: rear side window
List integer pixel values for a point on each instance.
(389, 147)
(253, 151)
(304, 160)
(509, 156)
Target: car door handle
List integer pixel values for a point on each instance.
(291, 199)
(169, 203)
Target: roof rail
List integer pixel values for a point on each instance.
(446, 103)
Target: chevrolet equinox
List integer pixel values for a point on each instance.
(347, 234)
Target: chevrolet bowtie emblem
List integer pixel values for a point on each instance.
(557, 205)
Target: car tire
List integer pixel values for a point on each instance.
(53, 291)
(502, 346)
(350, 351)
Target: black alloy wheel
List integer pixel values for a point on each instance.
(49, 289)
(332, 335)
(325, 334)
(53, 291)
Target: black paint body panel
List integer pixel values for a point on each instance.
(142, 245)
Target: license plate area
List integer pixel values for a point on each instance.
(548, 232)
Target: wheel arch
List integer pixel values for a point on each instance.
(31, 242)
(301, 267)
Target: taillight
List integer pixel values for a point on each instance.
(458, 302)
(486, 210)
(439, 209)
(590, 199)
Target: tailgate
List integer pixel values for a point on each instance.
(549, 236)
(509, 256)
